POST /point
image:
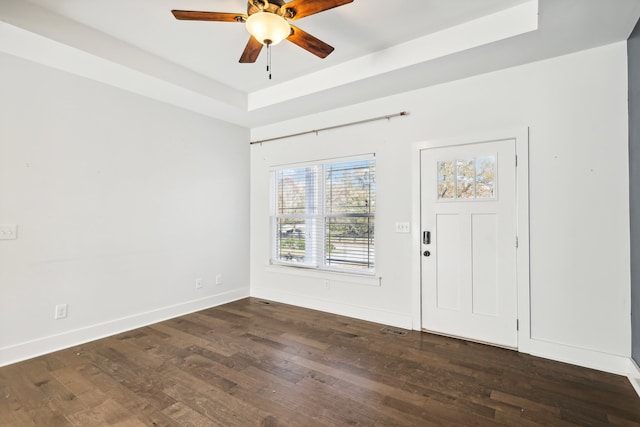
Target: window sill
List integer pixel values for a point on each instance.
(336, 276)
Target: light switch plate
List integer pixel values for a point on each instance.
(8, 232)
(403, 227)
(61, 311)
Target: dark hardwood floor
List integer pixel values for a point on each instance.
(250, 363)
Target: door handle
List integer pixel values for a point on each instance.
(426, 237)
(426, 253)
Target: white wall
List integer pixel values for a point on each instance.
(576, 108)
(121, 203)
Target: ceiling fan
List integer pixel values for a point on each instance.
(268, 23)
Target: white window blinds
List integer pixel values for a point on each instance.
(323, 215)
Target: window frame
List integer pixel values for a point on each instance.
(319, 238)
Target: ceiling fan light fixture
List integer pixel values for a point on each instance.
(268, 28)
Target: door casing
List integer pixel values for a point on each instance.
(521, 137)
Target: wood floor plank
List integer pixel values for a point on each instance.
(108, 413)
(31, 390)
(253, 386)
(260, 363)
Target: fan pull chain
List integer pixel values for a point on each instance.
(269, 60)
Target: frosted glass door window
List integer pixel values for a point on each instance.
(467, 179)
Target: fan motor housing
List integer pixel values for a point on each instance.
(273, 6)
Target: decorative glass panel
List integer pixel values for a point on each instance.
(466, 179)
(485, 175)
(446, 180)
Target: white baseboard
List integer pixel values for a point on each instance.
(586, 358)
(30, 349)
(634, 375)
(349, 310)
(576, 356)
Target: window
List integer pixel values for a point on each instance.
(322, 215)
(467, 179)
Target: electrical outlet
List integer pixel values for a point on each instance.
(61, 311)
(219, 279)
(198, 283)
(402, 227)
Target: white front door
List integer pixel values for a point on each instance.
(468, 219)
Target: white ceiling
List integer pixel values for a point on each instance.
(213, 48)
(381, 47)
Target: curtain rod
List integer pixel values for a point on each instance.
(387, 117)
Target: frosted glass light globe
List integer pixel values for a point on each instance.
(268, 28)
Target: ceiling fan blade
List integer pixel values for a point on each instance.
(192, 15)
(309, 43)
(302, 8)
(251, 51)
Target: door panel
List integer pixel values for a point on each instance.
(485, 264)
(448, 284)
(468, 203)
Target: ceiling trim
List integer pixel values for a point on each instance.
(36, 34)
(502, 25)
(33, 47)
(530, 31)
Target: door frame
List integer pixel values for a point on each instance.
(521, 137)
